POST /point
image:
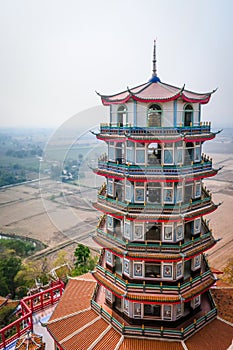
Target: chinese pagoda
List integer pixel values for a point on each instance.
(152, 277)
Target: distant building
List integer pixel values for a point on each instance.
(30, 341)
(152, 279)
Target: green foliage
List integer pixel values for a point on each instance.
(61, 259)
(84, 262)
(11, 252)
(10, 264)
(21, 248)
(6, 315)
(82, 253)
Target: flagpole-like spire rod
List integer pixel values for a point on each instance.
(154, 60)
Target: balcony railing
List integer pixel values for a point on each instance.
(161, 288)
(158, 170)
(157, 247)
(118, 129)
(160, 208)
(29, 305)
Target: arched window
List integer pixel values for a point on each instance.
(154, 115)
(188, 115)
(122, 115)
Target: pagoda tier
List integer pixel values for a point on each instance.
(152, 270)
(117, 133)
(155, 246)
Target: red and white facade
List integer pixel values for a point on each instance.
(152, 274)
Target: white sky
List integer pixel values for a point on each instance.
(55, 54)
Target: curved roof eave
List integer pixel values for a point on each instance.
(195, 100)
(202, 98)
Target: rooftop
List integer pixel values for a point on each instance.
(156, 91)
(74, 325)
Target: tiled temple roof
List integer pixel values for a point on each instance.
(90, 331)
(156, 92)
(153, 297)
(152, 253)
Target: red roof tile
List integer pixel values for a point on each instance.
(217, 335)
(155, 92)
(76, 297)
(108, 341)
(85, 338)
(78, 329)
(224, 300)
(62, 328)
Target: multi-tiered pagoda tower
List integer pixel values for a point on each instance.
(153, 277)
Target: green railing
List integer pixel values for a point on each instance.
(159, 246)
(174, 208)
(128, 286)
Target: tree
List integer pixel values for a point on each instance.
(10, 264)
(82, 253)
(7, 315)
(61, 258)
(84, 262)
(228, 272)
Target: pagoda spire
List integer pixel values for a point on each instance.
(154, 78)
(154, 71)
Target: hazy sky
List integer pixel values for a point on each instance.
(55, 54)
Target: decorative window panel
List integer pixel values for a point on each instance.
(128, 191)
(127, 230)
(137, 310)
(196, 262)
(168, 193)
(167, 312)
(196, 301)
(179, 156)
(139, 192)
(179, 232)
(138, 232)
(196, 226)
(109, 258)
(178, 310)
(168, 156)
(126, 266)
(168, 233)
(167, 271)
(129, 152)
(108, 295)
(110, 223)
(197, 153)
(126, 306)
(137, 269)
(179, 270)
(179, 193)
(110, 187)
(197, 189)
